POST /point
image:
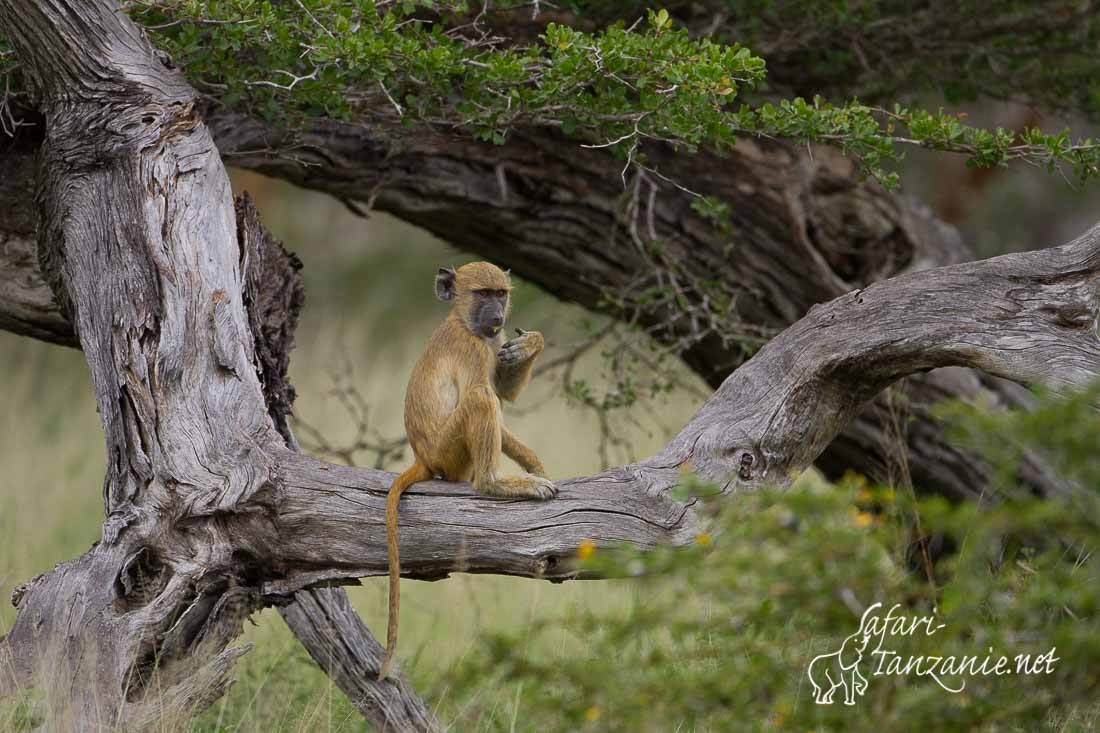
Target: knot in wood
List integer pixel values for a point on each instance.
(744, 467)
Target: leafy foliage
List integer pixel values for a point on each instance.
(721, 633)
(445, 63)
(1043, 53)
(442, 62)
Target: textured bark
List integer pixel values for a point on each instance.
(804, 230)
(1030, 317)
(27, 305)
(211, 515)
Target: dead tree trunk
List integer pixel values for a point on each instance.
(179, 326)
(210, 511)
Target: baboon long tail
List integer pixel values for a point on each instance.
(416, 472)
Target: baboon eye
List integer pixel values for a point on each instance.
(501, 293)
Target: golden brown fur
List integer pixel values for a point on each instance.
(452, 406)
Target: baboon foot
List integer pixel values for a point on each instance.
(525, 485)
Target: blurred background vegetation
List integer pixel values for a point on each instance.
(480, 647)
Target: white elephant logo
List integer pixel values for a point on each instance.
(827, 672)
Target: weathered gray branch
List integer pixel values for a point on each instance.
(328, 625)
(1030, 317)
(27, 306)
(804, 230)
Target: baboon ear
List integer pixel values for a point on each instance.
(445, 283)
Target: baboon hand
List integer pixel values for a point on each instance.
(524, 347)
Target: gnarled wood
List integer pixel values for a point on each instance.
(139, 243)
(330, 628)
(804, 230)
(27, 306)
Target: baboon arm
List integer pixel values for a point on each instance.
(515, 449)
(515, 362)
(510, 380)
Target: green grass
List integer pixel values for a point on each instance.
(359, 274)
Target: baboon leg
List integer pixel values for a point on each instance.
(455, 457)
(485, 439)
(470, 447)
(481, 433)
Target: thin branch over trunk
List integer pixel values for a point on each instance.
(804, 230)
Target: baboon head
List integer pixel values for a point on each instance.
(480, 292)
